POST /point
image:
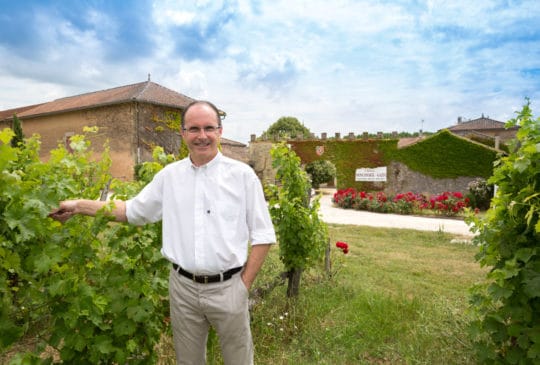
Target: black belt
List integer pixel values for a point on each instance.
(205, 279)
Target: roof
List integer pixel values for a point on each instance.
(230, 142)
(147, 91)
(404, 142)
(8, 113)
(482, 123)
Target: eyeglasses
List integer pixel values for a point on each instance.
(207, 130)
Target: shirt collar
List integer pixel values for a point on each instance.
(210, 164)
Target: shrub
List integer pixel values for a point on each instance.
(480, 193)
(321, 171)
(345, 198)
(447, 203)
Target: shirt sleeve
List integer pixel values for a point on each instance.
(261, 228)
(147, 206)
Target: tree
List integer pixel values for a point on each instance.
(287, 127)
(302, 235)
(508, 305)
(321, 171)
(16, 126)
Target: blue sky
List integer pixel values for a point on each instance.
(338, 66)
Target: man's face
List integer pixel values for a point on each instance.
(201, 133)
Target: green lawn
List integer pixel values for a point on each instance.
(398, 297)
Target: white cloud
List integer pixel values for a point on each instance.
(342, 66)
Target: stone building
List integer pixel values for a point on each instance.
(483, 127)
(132, 119)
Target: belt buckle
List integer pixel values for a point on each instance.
(206, 279)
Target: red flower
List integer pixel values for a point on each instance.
(343, 246)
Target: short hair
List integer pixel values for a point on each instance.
(204, 102)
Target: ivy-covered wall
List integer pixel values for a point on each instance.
(347, 156)
(442, 155)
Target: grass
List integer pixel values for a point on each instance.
(399, 297)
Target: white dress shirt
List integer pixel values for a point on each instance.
(210, 213)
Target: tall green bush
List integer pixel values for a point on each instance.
(18, 136)
(508, 306)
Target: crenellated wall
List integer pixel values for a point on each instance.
(442, 162)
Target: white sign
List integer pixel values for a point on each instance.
(374, 174)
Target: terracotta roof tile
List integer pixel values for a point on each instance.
(8, 113)
(478, 124)
(230, 142)
(144, 92)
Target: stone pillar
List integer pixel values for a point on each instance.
(365, 136)
(323, 136)
(394, 135)
(379, 135)
(338, 135)
(253, 138)
(351, 135)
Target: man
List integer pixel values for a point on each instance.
(211, 207)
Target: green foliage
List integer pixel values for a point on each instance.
(488, 142)
(347, 156)
(321, 171)
(17, 129)
(171, 120)
(302, 235)
(184, 151)
(93, 290)
(446, 155)
(145, 172)
(508, 307)
(287, 127)
(442, 155)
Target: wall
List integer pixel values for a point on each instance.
(402, 179)
(442, 162)
(239, 152)
(115, 126)
(261, 161)
(157, 126)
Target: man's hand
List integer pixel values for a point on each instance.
(65, 210)
(254, 263)
(68, 208)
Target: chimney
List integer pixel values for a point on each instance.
(459, 120)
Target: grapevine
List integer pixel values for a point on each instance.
(93, 290)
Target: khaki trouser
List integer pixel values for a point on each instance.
(194, 307)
